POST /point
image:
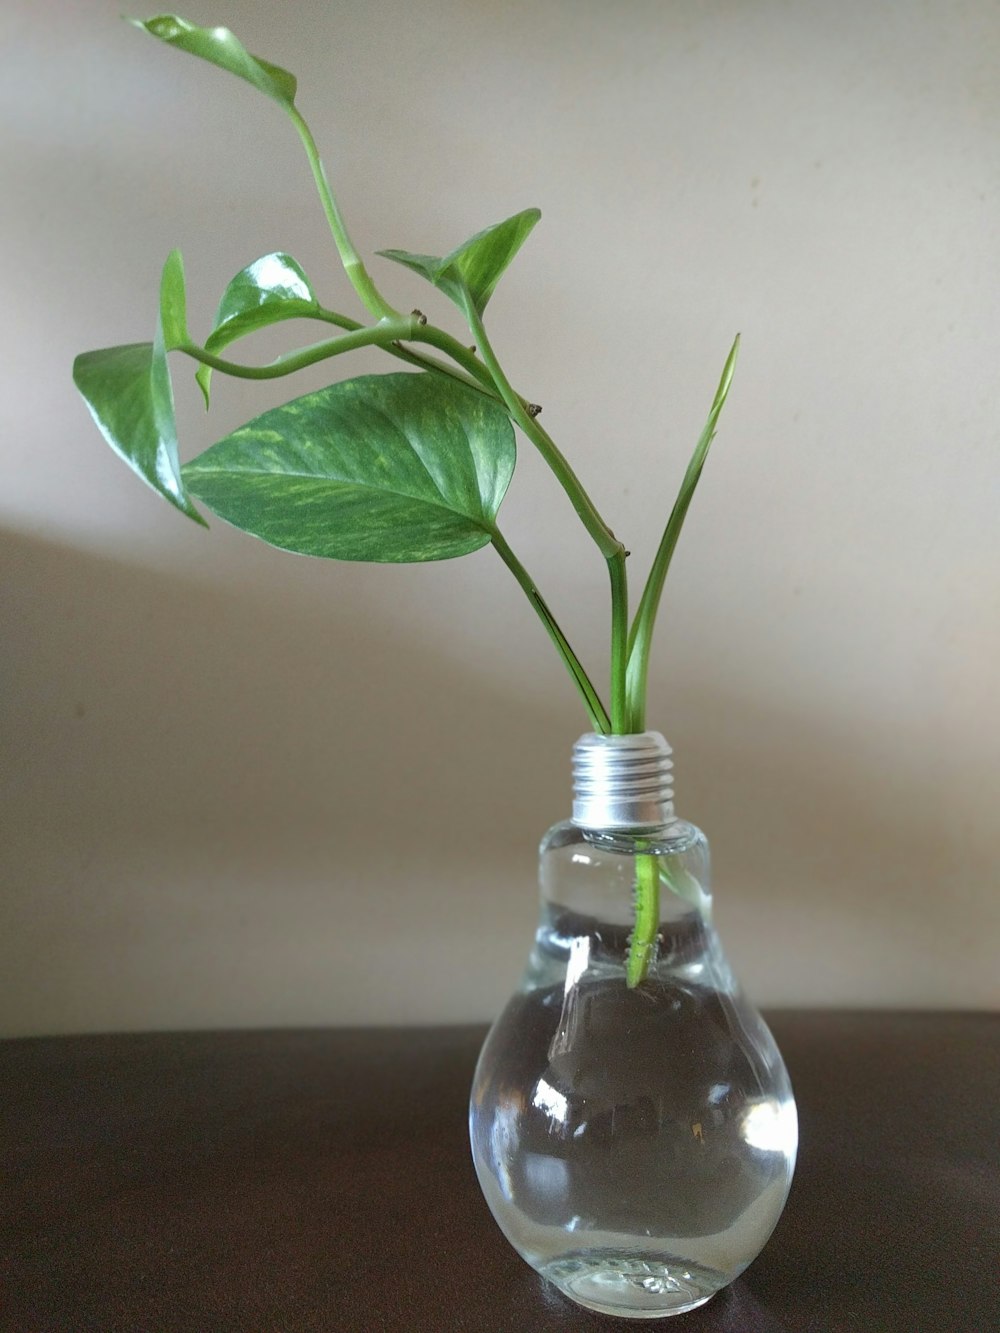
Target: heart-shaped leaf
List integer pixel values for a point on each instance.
(270, 289)
(220, 47)
(128, 392)
(390, 468)
(477, 265)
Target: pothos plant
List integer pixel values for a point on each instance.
(393, 467)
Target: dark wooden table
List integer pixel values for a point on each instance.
(281, 1181)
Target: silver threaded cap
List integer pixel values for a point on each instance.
(623, 782)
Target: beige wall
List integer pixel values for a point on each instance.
(240, 788)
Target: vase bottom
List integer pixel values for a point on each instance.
(630, 1287)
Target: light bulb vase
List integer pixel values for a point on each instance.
(634, 1138)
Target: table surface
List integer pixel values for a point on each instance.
(321, 1180)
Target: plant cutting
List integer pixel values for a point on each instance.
(636, 1177)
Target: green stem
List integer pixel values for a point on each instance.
(396, 349)
(642, 942)
(439, 367)
(387, 331)
(620, 721)
(468, 368)
(475, 378)
(598, 714)
(462, 355)
(360, 279)
(609, 545)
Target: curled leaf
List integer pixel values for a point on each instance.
(270, 289)
(220, 47)
(128, 392)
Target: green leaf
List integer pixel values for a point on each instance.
(641, 633)
(125, 398)
(390, 468)
(173, 303)
(128, 392)
(219, 47)
(270, 289)
(477, 265)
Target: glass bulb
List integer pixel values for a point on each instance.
(635, 1142)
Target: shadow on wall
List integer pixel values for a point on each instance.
(226, 812)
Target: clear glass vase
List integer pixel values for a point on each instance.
(634, 1138)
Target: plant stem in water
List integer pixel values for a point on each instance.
(642, 942)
